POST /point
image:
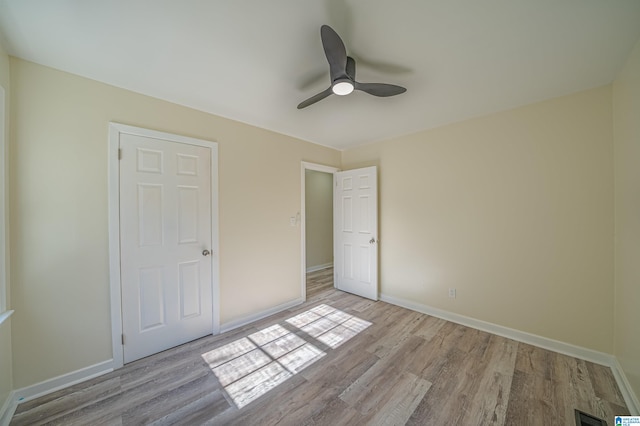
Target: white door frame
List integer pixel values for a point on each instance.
(4, 208)
(303, 218)
(115, 129)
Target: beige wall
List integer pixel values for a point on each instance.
(626, 119)
(60, 280)
(319, 218)
(6, 372)
(514, 210)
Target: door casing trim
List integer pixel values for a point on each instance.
(115, 129)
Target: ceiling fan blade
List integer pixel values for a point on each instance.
(351, 68)
(335, 52)
(380, 89)
(315, 98)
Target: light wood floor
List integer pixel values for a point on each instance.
(405, 368)
(319, 281)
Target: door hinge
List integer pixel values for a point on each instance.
(122, 336)
(119, 153)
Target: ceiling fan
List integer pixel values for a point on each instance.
(342, 69)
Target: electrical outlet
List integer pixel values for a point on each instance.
(452, 293)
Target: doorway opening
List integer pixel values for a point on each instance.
(317, 228)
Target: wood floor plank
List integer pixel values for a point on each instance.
(363, 305)
(395, 333)
(434, 360)
(532, 401)
(197, 411)
(604, 384)
(534, 360)
(428, 328)
(116, 405)
(319, 281)
(401, 400)
(473, 382)
(262, 411)
(335, 413)
(309, 400)
(343, 366)
(46, 409)
(326, 381)
(403, 368)
(173, 400)
(367, 390)
(447, 398)
(489, 400)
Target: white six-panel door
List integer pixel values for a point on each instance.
(355, 232)
(165, 243)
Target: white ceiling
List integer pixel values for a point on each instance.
(255, 60)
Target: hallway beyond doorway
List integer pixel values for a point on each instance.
(319, 281)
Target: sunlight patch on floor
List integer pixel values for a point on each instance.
(251, 366)
(328, 325)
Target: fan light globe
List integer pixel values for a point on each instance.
(342, 88)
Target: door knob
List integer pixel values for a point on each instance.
(372, 240)
(206, 252)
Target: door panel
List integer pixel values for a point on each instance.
(189, 281)
(355, 235)
(150, 214)
(165, 224)
(188, 214)
(151, 298)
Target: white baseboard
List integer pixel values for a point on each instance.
(319, 267)
(532, 339)
(7, 409)
(51, 385)
(259, 315)
(625, 387)
(520, 336)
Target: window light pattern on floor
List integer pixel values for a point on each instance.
(249, 367)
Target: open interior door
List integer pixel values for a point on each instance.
(355, 231)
